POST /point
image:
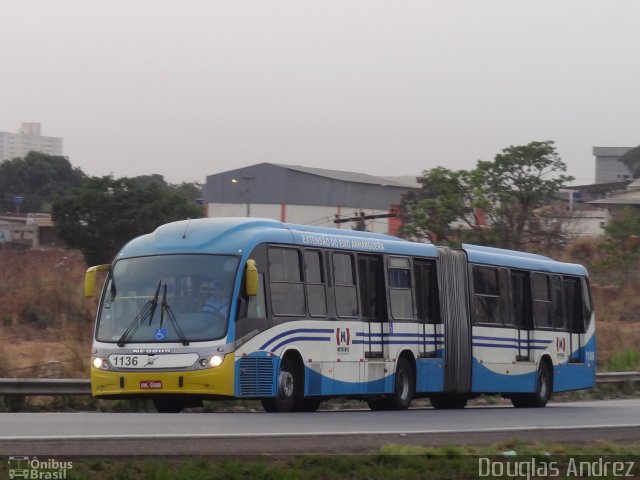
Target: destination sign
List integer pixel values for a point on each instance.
(333, 241)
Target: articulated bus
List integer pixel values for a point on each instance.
(306, 313)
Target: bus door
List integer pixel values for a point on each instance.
(522, 314)
(373, 305)
(453, 284)
(428, 306)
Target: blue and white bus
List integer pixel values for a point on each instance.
(309, 313)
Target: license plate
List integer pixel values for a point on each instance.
(150, 384)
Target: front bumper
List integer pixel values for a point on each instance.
(218, 381)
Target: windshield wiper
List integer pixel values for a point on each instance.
(167, 308)
(147, 311)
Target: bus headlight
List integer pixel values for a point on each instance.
(216, 360)
(100, 363)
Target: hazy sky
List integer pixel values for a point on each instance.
(191, 88)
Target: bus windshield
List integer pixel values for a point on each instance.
(193, 289)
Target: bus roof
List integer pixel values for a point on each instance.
(520, 260)
(235, 235)
(239, 235)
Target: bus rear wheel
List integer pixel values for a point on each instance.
(404, 388)
(289, 389)
(448, 401)
(542, 395)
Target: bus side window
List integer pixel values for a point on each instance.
(541, 300)
(557, 303)
(587, 304)
(573, 305)
(521, 299)
(486, 295)
(314, 281)
(372, 291)
(345, 285)
(285, 277)
(427, 296)
(400, 292)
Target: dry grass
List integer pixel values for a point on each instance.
(45, 322)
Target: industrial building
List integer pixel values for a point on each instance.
(310, 196)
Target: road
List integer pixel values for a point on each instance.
(323, 431)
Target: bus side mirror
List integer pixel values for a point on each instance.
(251, 279)
(90, 279)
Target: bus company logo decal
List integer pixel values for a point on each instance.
(343, 340)
(32, 468)
(561, 344)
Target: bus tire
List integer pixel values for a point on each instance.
(448, 401)
(404, 386)
(168, 404)
(289, 389)
(542, 394)
(403, 389)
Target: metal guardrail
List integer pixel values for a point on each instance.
(617, 377)
(71, 386)
(44, 386)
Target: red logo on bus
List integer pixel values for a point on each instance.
(561, 344)
(343, 336)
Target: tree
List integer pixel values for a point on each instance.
(632, 160)
(444, 198)
(100, 216)
(514, 192)
(520, 188)
(38, 178)
(621, 247)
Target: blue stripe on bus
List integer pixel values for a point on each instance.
(379, 334)
(298, 330)
(506, 345)
(301, 339)
(392, 342)
(478, 337)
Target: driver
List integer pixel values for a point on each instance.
(216, 300)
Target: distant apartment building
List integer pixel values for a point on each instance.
(28, 139)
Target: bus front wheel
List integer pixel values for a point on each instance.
(289, 389)
(542, 394)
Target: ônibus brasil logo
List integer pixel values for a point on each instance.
(32, 468)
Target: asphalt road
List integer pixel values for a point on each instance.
(323, 431)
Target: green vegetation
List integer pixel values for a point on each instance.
(621, 246)
(632, 160)
(627, 360)
(515, 193)
(390, 462)
(103, 214)
(39, 178)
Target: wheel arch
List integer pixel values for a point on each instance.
(408, 355)
(294, 355)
